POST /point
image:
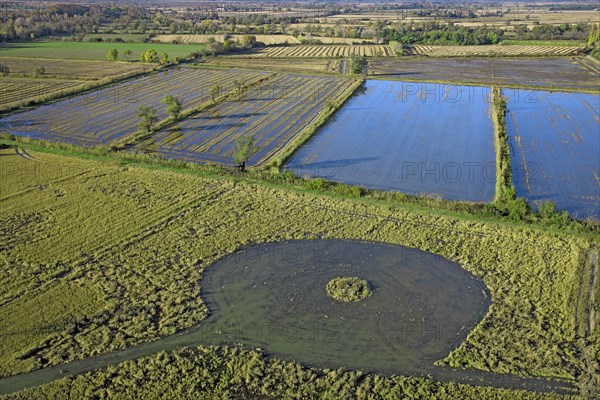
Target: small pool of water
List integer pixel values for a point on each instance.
(273, 296)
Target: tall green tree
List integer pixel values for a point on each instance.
(148, 118)
(358, 65)
(173, 106)
(245, 148)
(149, 56)
(164, 58)
(127, 53)
(112, 55)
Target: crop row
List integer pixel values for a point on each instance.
(326, 51)
(274, 112)
(19, 89)
(103, 116)
(496, 50)
(189, 39)
(72, 69)
(338, 40)
(312, 65)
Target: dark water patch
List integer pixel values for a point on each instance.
(274, 297)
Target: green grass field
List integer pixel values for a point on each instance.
(90, 50)
(141, 237)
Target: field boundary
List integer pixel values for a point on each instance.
(505, 189)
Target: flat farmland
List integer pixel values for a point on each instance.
(427, 139)
(60, 78)
(73, 69)
(495, 50)
(555, 149)
(274, 112)
(14, 90)
(324, 51)
(310, 65)
(334, 40)
(577, 73)
(104, 116)
(532, 18)
(189, 39)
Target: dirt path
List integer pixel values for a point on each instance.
(24, 154)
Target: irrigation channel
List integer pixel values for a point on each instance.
(273, 296)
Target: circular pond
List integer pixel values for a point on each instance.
(272, 296)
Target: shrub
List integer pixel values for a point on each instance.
(317, 184)
(348, 289)
(517, 208)
(39, 70)
(348, 190)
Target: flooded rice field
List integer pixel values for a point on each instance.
(416, 138)
(555, 149)
(576, 72)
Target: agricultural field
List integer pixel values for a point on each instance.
(275, 112)
(511, 15)
(307, 65)
(338, 40)
(24, 86)
(188, 39)
(567, 73)
(533, 17)
(17, 90)
(105, 116)
(324, 51)
(555, 149)
(91, 50)
(388, 138)
(73, 69)
(495, 51)
(144, 238)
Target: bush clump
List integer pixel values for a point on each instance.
(348, 289)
